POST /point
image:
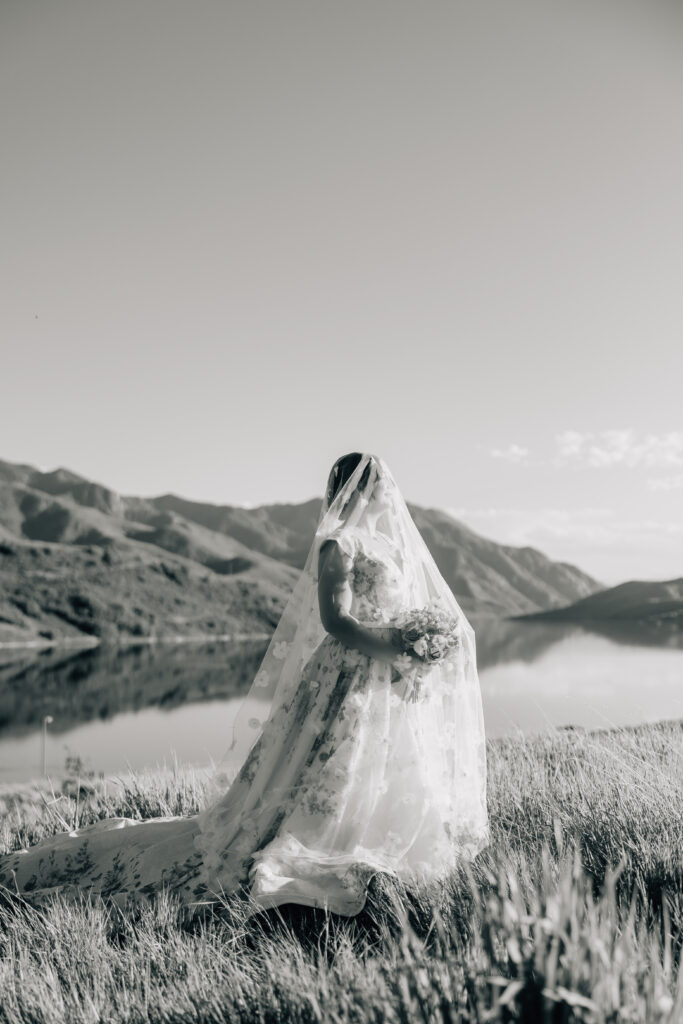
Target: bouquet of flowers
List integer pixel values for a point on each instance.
(430, 633)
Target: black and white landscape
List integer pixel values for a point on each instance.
(111, 604)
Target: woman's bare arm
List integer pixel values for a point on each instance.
(334, 600)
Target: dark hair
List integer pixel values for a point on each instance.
(342, 470)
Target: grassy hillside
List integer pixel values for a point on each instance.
(126, 591)
(573, 914)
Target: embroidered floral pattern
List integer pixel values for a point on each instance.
(377, 588)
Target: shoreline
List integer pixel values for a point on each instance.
(54, 780)
(86, 642)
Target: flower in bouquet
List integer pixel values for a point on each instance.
(404, 663)
(431, 633)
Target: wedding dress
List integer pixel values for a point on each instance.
(341, 765)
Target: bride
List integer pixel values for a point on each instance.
(359, 748)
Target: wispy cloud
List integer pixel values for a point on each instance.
(666, 483)
(599, 540)
(522, 526)
(513, 453)
(625, 448)
(609, 448)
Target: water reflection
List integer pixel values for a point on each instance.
(197, 733)
(98, 682)
(503, 640)
(639, 634)
(135, 706)
(585, 680)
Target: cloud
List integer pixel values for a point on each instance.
(513, 453)
(601, 526)
(596, 539)
(607, 449)
(569, 443)
(666, 483)
(521, 526)
(624, 448)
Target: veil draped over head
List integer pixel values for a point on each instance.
(368, 512)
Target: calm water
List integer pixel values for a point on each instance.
(143, 706)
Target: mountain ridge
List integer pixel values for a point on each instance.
(78, 559)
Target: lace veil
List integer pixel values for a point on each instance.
(370, 508)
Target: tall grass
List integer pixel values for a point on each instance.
(574, 913)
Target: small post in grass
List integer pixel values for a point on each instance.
(47, 720)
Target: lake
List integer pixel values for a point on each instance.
(141, 706)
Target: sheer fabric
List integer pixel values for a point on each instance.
(345, 776)
(332, 773)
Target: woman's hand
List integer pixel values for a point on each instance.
(384, 643)
(393, 640)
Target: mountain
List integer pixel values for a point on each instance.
(658, 605)
(284, 532)
(74, 565)
(485, 576)
(78, 561)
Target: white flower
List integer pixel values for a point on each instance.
(420, 647)
(403, 663)
(314, 684)
(280, 650)
(254, 723)
(262, 678)
(352, 657)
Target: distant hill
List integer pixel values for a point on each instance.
(655, 604)
(78, 560)
(284, 532)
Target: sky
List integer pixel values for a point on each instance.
(240, 239)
